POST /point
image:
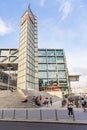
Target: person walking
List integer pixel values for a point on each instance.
(70, 108)
(51, 101)
(40, 99)
(83, 104)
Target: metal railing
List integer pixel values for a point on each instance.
(36, 114)
(43, 114)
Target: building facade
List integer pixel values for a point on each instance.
(52, 69)
(52, 66)
(28, 52)
(36, 69)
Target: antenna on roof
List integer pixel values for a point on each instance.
(29, 5)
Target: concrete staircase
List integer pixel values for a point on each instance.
(14, 99)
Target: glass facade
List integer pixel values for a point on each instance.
(51, 72)
(52, 68)
(9, 55)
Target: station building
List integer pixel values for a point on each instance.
(31, 68)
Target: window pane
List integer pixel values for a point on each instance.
(42, 59)
(51, 74)
(51, 59)
(50, 52)
(43, 82)
(4, 52)
(61, 66)
(52, 67)
(61, 74)
(42, 52)
(42, 74)
(60, 59)
(59, 52)
(42, 66)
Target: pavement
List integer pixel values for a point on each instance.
(79, 114)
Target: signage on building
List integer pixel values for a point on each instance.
(23, 19)
(31, 17)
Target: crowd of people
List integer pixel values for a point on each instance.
(38, 100)
(70, 103)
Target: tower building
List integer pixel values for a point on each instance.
(28, 52)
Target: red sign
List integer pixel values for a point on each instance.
(23, 19)
(53, 87)
(31, 17)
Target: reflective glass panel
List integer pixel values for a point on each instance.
(41, 59)
(52, 67)
(41, 52)
(50, 52)
(52, 75)
(61, 66)
(42, 66)
(42, 74)
(51, 59)
(59, 52)
(60, 59)
(4, 52)
(61, 74)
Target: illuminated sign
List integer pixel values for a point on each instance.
(23, 19)
(31, 17)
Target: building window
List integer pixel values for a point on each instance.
(61, 66)
(52, 67)
(42, 60)
(51, 74)
(51, 59)
(42, 74)
(42, 53)
(50, 52)
(60, 59)
(61, 74)
(42, 67)
(59, 52)
(4, 52)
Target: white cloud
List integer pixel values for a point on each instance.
(42, 2)
(65, 8)
(4, 28)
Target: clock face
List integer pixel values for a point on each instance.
(23, 19)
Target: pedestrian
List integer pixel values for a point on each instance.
(70, 108)
(51, 101)
(83, 104)
(47, 101)
(40, 98)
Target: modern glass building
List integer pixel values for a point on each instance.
(34, 68)
(52, 68)
(28, 52)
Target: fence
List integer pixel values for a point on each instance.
(35, 114)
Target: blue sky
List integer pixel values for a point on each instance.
(61, 24)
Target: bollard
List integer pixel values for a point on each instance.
(56, 114)
(14, 114)
(2, 113)
(73, 116)
(40, 114)
(26, 114)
